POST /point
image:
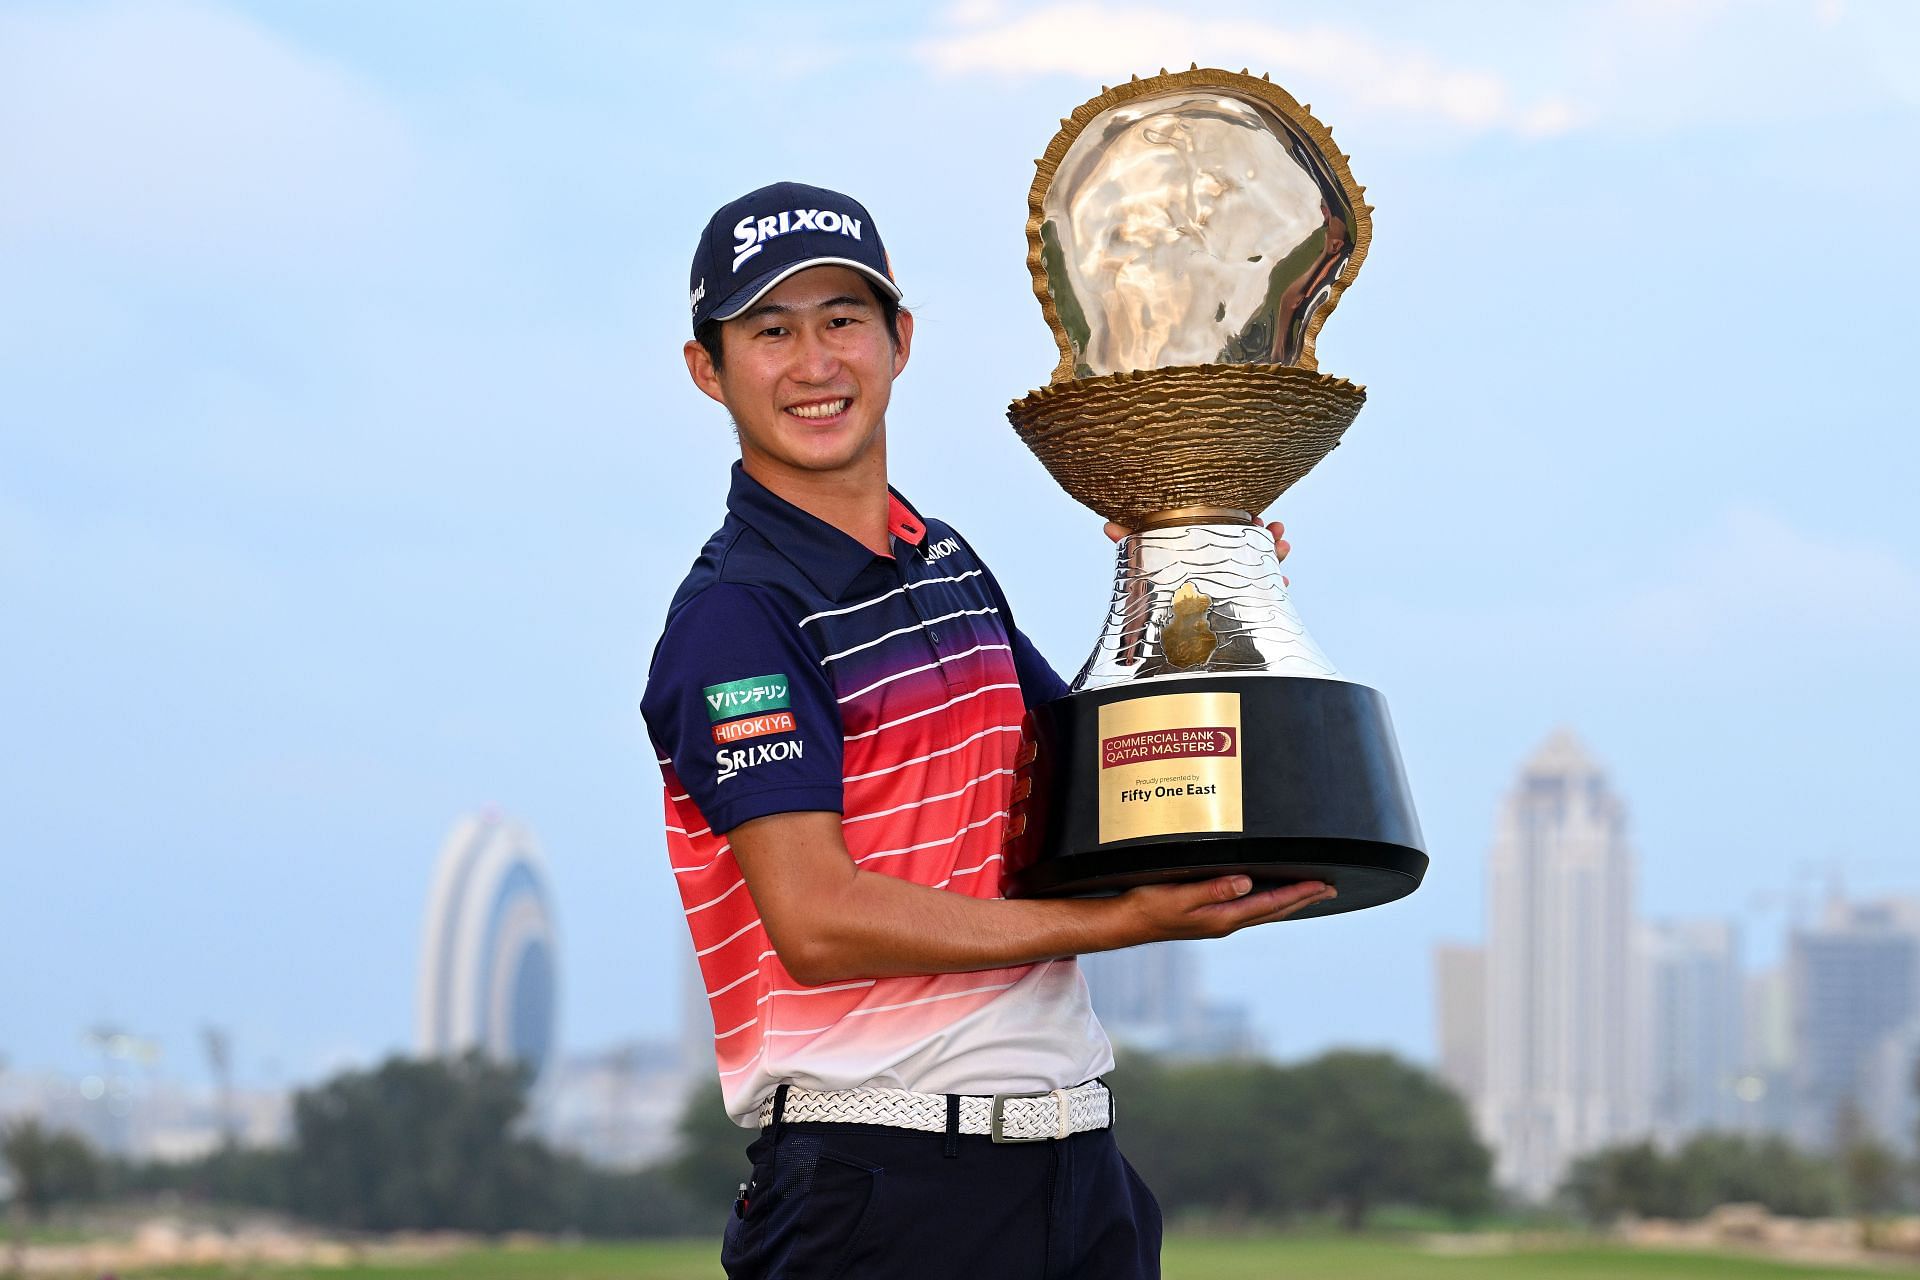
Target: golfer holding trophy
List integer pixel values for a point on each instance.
(927, 823)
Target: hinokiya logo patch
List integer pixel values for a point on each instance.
(753, 727)
(745, 697)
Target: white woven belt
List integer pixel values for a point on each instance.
(1004, 1117)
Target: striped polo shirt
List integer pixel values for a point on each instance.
(800, 671)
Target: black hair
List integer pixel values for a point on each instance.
(708, 334)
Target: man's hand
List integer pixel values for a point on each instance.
(1216, 908)
(1280, 544)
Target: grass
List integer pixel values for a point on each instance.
(1187, 1257)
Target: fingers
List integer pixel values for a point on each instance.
(1230, 904)
(1203, 894)
(1278, 904)
(1280, 544)
(1218, 907)
(1294, 908)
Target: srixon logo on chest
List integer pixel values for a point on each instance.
(940, 550)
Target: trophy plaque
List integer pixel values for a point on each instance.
(1188, 235)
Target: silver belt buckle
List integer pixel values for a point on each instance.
(997, 1116)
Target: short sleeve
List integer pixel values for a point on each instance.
(739, 705)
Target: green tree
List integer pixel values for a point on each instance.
(261, 1177)
(1377, 1131)
(1872, 1175)
(1346, 1132)
(429, 1145)
(1202, 1134)
(1709, 1170)
(48, 1167)
(627, 1204)
(709, 1160)
(1622, 1180)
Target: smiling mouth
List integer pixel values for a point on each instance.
(820, 409)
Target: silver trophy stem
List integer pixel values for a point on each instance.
(1209, 594)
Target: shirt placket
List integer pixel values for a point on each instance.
(923, 603)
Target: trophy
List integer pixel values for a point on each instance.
(1188, 235)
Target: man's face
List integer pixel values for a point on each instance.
(807, 372)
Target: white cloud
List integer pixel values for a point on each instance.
(1753, 586)
(1743, 600)
(156, 125)
(1625, 66)
(1100, 41)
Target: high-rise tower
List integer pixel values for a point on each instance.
(487, 975)
(1691, 1002)
(1562, 1052)
(1854, 981)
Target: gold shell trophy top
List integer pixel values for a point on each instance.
(1309, 147)
(1188, 235)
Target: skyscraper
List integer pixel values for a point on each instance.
(1854, 981)
(1765, 1087)
(1692, 1002)
(487, 975)
(1460, 1017)
(1148, 998)
(1562, 1047)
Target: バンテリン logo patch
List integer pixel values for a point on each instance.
(745, 697)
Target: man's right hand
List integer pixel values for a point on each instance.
(1216, 908)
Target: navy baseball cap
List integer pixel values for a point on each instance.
(757, 241)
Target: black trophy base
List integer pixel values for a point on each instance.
(1323, 797)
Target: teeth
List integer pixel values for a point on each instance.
(825, 410)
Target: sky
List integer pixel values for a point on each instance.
(348, 462)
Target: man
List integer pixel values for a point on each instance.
(836, 702)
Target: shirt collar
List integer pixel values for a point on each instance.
(830, 558)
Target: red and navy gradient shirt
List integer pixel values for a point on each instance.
(801, 671)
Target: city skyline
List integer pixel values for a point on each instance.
(1580, 1023)
(347, 460)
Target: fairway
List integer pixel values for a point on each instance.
(1186, 1258)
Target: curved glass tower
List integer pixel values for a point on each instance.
(488, 978)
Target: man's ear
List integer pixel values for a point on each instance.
(700, 369)
(904, 347)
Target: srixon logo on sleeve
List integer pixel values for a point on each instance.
(752, 708)
(733, 761)
(750, 234)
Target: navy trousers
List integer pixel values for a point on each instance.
(830, 1200)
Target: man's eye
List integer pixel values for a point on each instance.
(841, 321)
(774, 331)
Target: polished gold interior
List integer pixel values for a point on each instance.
(1188, 235)
(1203, 217)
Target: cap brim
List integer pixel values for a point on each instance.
(758, 288)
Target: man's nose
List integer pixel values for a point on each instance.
(815, 359)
